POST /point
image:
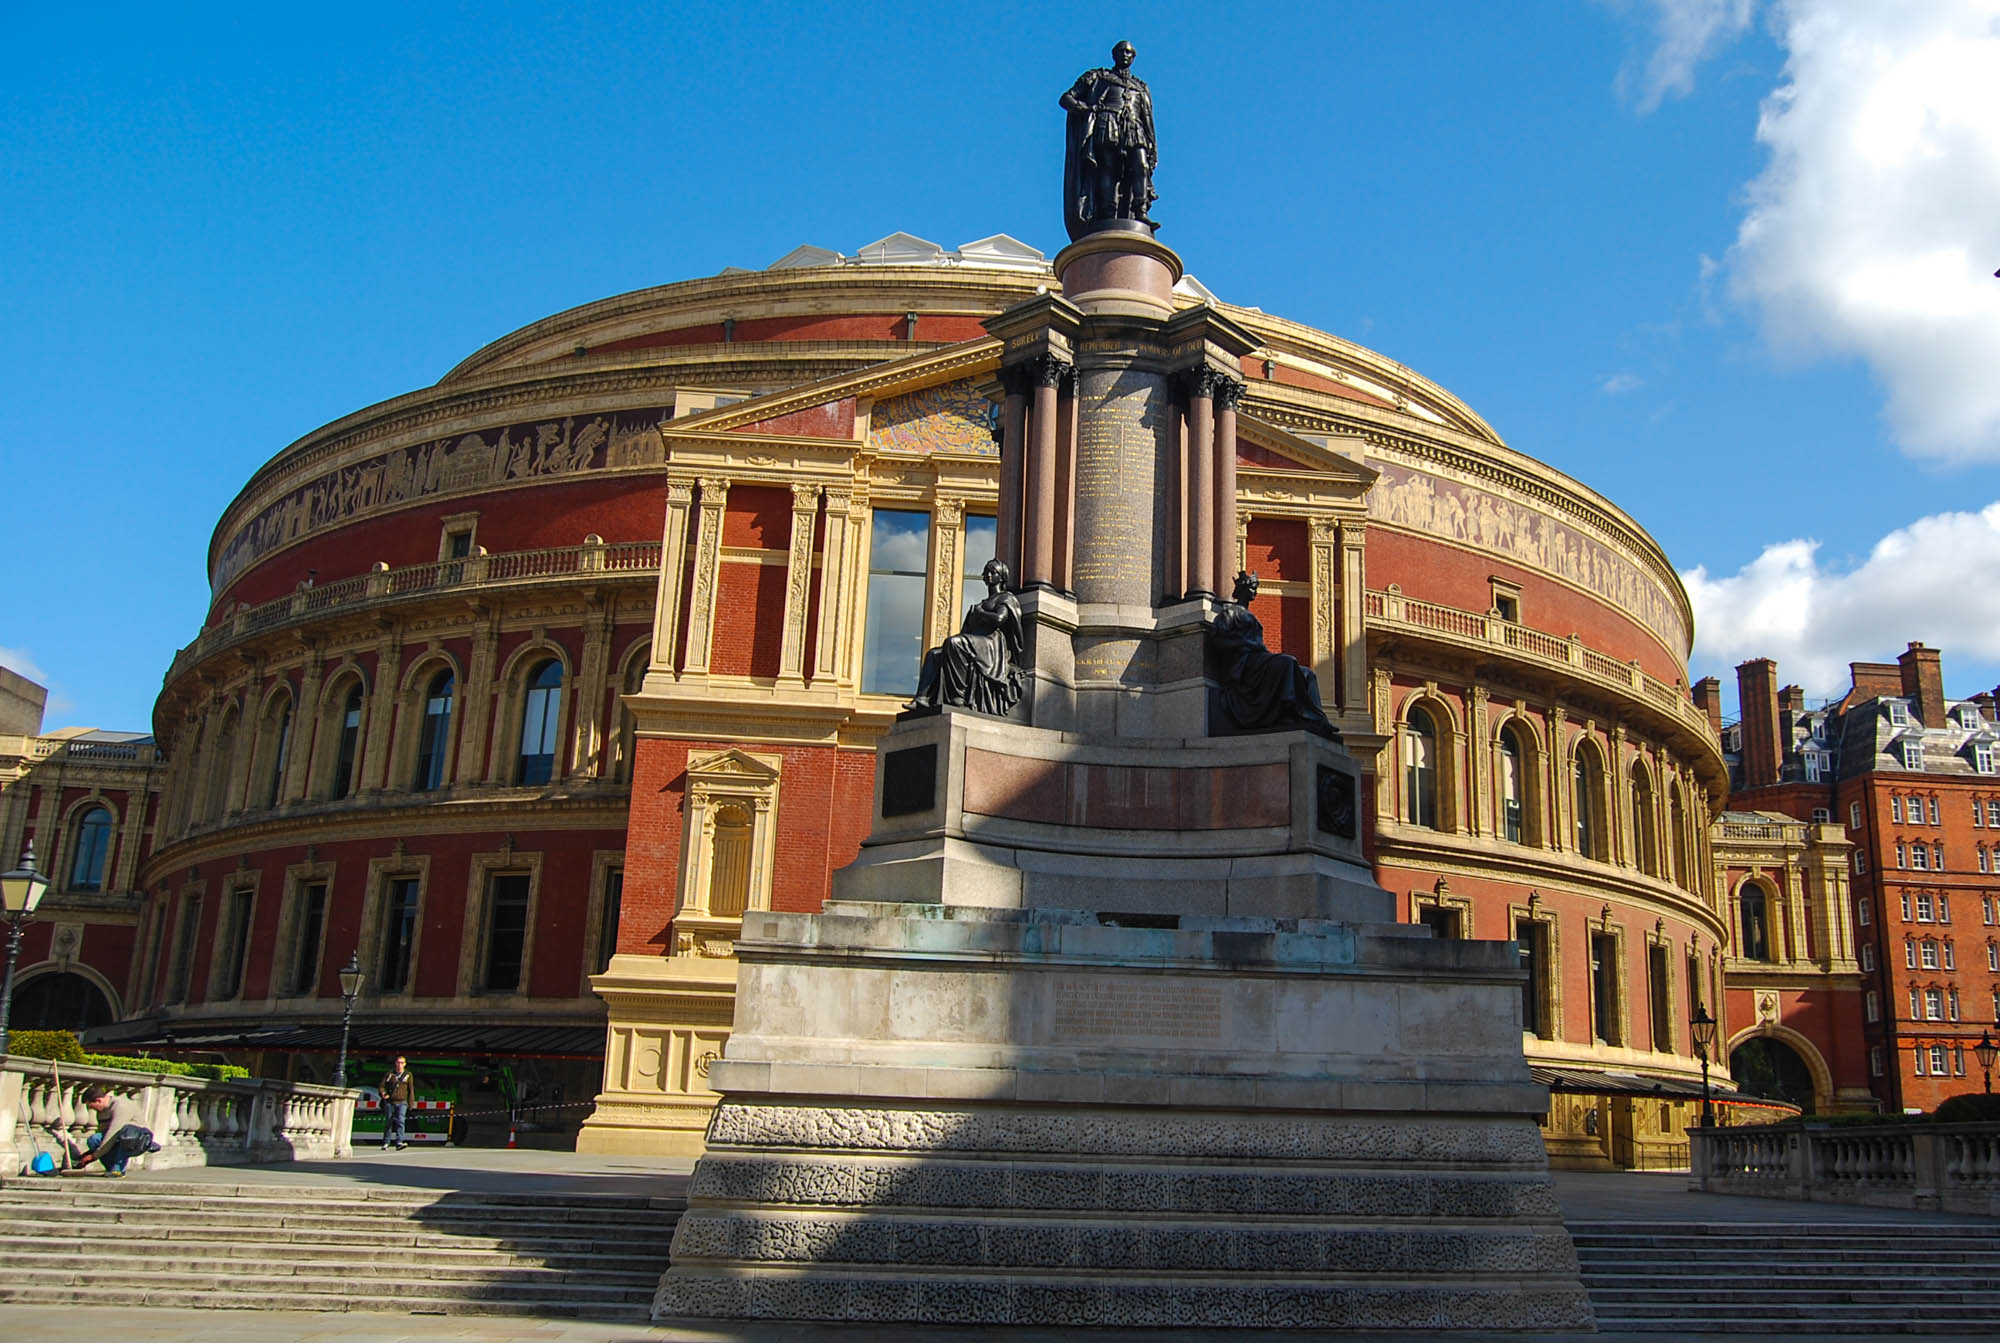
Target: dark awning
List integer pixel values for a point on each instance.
(1596, 1082)
(373, 1037)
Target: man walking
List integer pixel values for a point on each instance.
(398, 1089)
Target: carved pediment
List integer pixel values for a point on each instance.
(732, 765)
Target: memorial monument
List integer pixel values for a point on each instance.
(1110, 1022)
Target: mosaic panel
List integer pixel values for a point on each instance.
(953, 417)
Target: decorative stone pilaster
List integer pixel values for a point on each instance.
(673, 552)
(305, 725)
(1618, 820)
(1354, 616)
(1479, 748)
(1323, 605)
(593, 686)
(947, 535)
(707, 575)
(798, 586)
(836, 567)
(478, 698)
(381, 711)
(1562, 806)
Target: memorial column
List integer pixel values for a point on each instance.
(1228, 392)
(1038, 536)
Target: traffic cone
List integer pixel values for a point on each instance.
(511, 1144)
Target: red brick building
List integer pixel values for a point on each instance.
(1905, 781)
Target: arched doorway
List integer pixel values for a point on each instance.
(60, 1002)
(1772, 1070)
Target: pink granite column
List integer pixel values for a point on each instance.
(1227, 394)
(1013, 456)
(1065, 526)
(1201, 502)
(1038, 535)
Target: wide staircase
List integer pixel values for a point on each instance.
(1789, 1278)
(92, 1241)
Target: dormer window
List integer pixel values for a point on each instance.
(1912, 752)
(1968, 717)
(1899, 713)
(1815, 766)
(1982, 757)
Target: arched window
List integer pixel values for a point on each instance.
(729, 870)
(89, 850)
(275, 744)
(1420, 769)
(221, 761)
(1587, 780)
(541, 716)
(435, 735)
(1513, 785)
(1645, 826)
(1754, 944)
(1677, 819)
(348, 744)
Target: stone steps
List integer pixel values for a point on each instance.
(403, 1250)
(1766, 1278)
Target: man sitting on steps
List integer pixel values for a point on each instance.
(119, 1137)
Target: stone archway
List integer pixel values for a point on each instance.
(1780, 1065)
(61, 1001)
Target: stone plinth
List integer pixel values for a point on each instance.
(668, 1019)
(1119, 272)
(950, 1115)
(974, 811)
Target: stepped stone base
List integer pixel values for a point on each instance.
(957, 1115)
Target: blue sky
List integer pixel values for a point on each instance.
(217, 233)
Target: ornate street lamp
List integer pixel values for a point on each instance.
(1704, 1039)
(20, 891)
(1986, 1051)
(350, 989)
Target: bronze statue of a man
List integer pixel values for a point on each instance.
(1108, 169)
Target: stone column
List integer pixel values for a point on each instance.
(707, 573)
(478, 698)
(1202, 544)
(673, 556)
(798, 586)
(1013, 455)
(1353, 615)
(593, 674)
(1038, 531)
(834, 569)
(305, 726)
(1228, 541)
(381, 712)
(1065, 523)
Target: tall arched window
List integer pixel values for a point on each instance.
(277, 748)
(1513, 785)
(1587, 778)
(1755, 942)
(1677, 819)
(435, 734)
(1420, 769)
(1645, 826)
(347, 747)
(90, 849)
(541, 715)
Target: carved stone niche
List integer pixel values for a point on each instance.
(728, 847)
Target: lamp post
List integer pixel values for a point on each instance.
(350, 989)
(1704, 1039)
(20, 891)
(1986, 1051)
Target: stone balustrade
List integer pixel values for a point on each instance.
(1391, 610)
(195, 1121)
(1947, 1167)
(588, 562)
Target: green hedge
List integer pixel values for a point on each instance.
(63, 1047)
(1969, 1107)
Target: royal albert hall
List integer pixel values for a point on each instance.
(521, 688)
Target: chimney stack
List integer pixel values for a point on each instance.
(1708, 698)
(1923, 683)
(1791, 708)
(1757, 695)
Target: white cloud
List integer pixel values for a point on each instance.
(1617, 384)
(1686, 31)
(17, 660)
(1927, 581)
(1875, 229)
